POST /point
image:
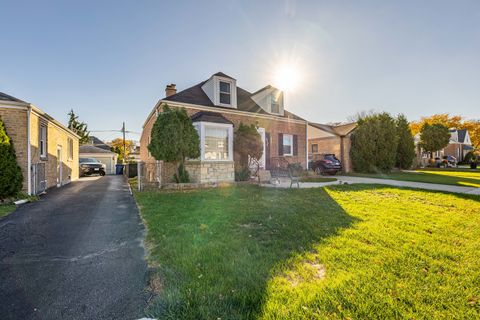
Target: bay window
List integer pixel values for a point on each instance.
(216, 141)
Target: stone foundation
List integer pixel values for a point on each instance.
(211, 171)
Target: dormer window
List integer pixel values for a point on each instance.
(221, 90)
(275, 106)
(225, 92)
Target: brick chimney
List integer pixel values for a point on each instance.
(170, 90)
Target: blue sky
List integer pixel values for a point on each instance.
(110, 60)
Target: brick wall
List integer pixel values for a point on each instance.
(272, 126)
(15, 121)
(56, 137)
(333, 145)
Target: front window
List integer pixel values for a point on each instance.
(225, 92)
(314, 148)
(43, 141)
(287, 144)
(216, 143)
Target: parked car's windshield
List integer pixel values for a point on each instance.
(88, 160)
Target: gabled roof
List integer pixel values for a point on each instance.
(196, 95)
(93, 149)
(206, 116)
(6, 97)
(339, 130)
(221, 74)
(458, 136)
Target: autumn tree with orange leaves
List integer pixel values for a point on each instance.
(457, 122)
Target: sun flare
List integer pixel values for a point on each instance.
(287, 77)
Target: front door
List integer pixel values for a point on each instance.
(59, 166)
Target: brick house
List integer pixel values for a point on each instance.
(323, 138)
(458, 146)
(47, 151)
(217, 106)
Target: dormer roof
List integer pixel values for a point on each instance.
(196, 95)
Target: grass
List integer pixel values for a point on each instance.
(316, 179)
(247, 252)
(6, 209)
(466, 178)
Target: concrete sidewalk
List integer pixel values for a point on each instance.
(395, 183)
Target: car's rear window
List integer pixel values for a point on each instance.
(330, 157)
(88, 160)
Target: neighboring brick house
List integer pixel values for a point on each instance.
(458, 146)
(217, 106)
(323, 138)
(47, 151)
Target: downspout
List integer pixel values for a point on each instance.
(306, 145)
(29, 153)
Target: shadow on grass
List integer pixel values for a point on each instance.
(412, 254)
(217, 249)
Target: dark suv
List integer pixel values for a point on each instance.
(325, 164)
(89, 166)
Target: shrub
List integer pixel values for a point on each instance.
(10, 173)
(243, 174)
(470, 157)
(174, 139)
(183, 176)
(248, 143)
(374, 144)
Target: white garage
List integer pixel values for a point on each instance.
(108, 158)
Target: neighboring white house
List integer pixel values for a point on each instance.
(108, 158)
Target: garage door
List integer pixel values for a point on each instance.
(108, 164)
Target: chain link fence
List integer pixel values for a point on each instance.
(149, 175)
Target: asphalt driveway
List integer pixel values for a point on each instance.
(75, 254)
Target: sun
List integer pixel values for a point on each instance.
(286, 77)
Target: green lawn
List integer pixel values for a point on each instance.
(247, 252)
(5, 209)
(466, 178)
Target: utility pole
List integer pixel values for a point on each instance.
(124, 146)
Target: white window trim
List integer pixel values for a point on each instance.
(273, 101)
(291, 144)
(43, 137)
(233, 92)
(69, 149)
(201, 133)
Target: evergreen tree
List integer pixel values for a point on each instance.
(374, 144)
(80, 128)
(173, 139)
(10, 173)
(406, 144)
